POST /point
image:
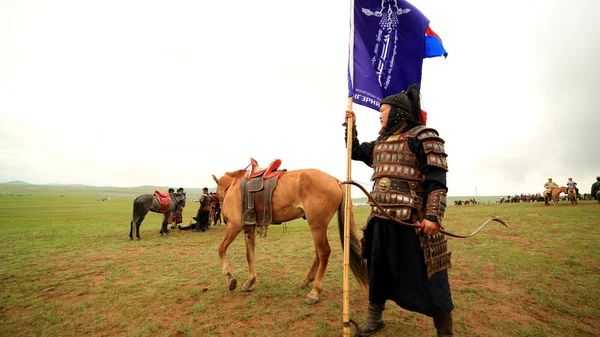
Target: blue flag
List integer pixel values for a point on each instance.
(388, 49)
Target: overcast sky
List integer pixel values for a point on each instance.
(128, 93)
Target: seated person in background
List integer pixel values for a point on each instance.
(549, 186)
(202, 217)
(570, 183)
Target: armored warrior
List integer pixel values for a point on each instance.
(406, 265)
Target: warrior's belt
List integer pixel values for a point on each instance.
(390, 184)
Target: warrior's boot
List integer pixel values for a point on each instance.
(374, 321)
(443, 325)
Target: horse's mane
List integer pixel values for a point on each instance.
(234, 174)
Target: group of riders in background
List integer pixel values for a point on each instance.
(210, 201)
(466, 202)
(570, 191)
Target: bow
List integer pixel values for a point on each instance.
(389, 217)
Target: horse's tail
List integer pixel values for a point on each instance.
(133, 229)
(359, 268)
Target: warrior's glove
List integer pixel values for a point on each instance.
(436, 205)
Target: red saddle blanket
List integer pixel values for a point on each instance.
(165, 200)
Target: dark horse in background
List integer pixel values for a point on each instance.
(149, 203)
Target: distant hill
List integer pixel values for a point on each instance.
(16, 182)
(151, 188)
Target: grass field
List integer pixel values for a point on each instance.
(68, 268)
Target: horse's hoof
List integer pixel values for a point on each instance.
(232, 284)
(310, 300)
(303, 285)
(247, 288)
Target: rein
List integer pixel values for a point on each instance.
(389, 217)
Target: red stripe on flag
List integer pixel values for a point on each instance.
(430, 32)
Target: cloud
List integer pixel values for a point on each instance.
(130, 93)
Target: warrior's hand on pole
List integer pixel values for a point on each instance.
(350, 120)
(350, 114)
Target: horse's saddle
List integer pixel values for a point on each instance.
(257, 190)
(165, 200)
(268, 172)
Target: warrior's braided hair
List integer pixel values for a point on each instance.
(406, 108)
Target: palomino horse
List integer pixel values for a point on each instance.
(308, 193)
(555, 195)
(572, 193)
(149, 203)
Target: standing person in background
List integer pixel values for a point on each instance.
(203, 217)
(409, 163)
(170, 219)
(596, 189)
(215, 209)
(178, 213)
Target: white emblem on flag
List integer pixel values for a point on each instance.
(387, 38)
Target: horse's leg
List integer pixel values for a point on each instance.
(162, 224)
(319, 234)
(250, 237)
(312, 272)
(231, 233)
(131, 228)
(133, 222)
(164, 229)
(138, 224)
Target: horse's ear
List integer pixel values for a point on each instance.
(216, 180)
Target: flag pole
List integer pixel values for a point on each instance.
(348, 199)
(347, 213)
